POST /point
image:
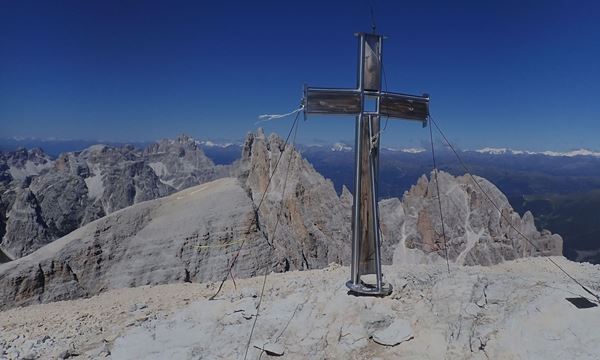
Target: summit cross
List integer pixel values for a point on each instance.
(368, 103)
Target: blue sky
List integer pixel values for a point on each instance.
(522, 74)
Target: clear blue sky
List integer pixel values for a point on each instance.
(523, 74)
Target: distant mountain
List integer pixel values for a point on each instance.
(527, 178)
(54, 147)
(44, 199)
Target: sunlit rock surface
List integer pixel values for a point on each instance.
(515, 310)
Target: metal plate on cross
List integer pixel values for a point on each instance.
(332, 101)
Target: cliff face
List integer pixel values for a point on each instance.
(311, 227)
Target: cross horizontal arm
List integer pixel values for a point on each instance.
(332, 101)
(404, 106)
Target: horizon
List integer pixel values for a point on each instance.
(123, 72)
(222, 142)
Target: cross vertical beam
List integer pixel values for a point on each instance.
(366, 235)
(365, 213)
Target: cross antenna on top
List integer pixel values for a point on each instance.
(373, 25)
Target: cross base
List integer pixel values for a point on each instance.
(368, 289)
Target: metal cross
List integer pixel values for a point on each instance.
(366, 239)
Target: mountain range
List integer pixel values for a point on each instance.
(54, 147)
(559, 190)
(110, 217)
(44, 199)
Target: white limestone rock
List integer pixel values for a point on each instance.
(514, 310)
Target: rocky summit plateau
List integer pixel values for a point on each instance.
(115, 251)
(514, 310)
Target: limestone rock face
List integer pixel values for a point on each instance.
(24, 218)
(16, 170)
(189, 236)
(114, 177)
(312, 227)
(80, 187)
(476, 233)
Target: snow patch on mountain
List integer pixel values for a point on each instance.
(159, 169)
(509, 151)
(580, 152)
(341, 147)
(210, 144)
(95, 186)
(406, 150)
(498, 151)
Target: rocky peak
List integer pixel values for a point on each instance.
(104, 156)
(182, 144)
(22, 163)
(22, 155)
(247, 147)
(346, 196)
(70, 163)
(181, 163)
(476, 233)
(260, 133)
(185, 139)
(311, 228)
